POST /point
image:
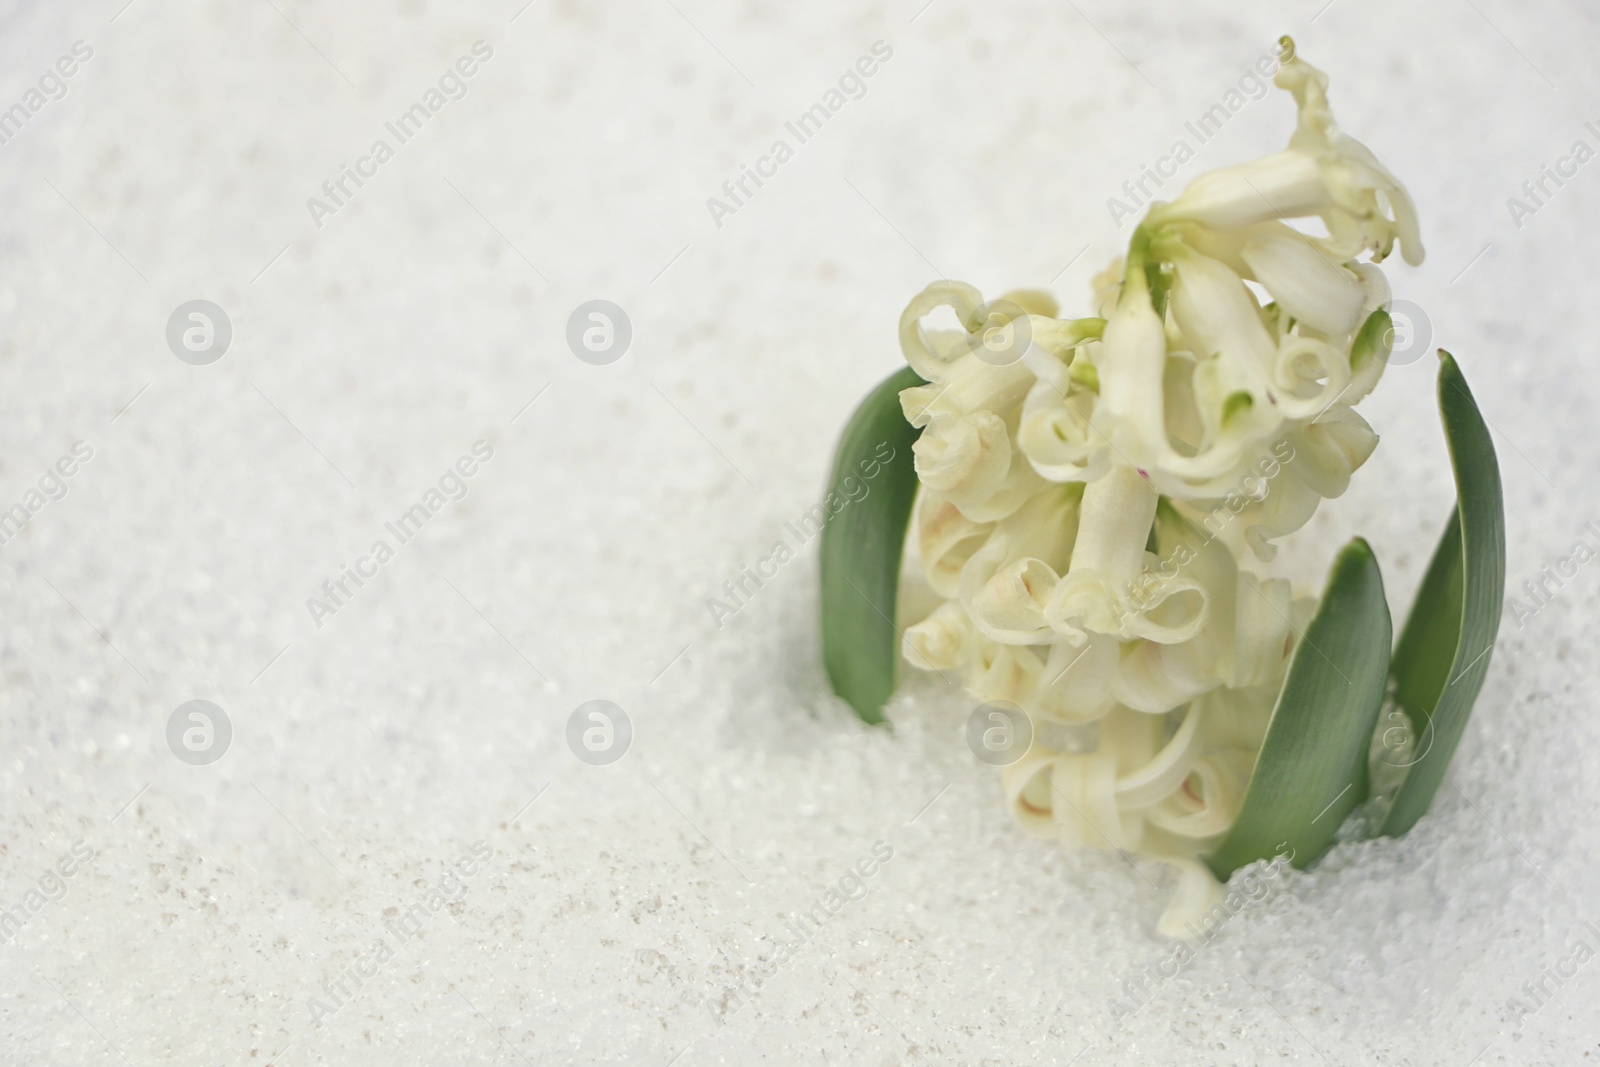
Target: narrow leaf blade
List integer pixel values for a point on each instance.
(862, 544)
(1312, 770)
(1444, 650)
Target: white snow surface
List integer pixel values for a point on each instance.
(623, 905)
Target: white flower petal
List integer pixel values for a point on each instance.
(1310, 375)
(930, 355)
(1262, 629)
(1131, 362)
(1197, 896)
(946, 541)
(1285, 185)
(1329, 450)
(1114, 523)
(1288, 505)
(1164, 772)
(965, 460)
(1305, 282)
(1173, 613)
(1009, 607)
(1027, 785)
(1155, 678)
(970, 386)
(1322, 173)
(1205, 805)
(1058, 435)
(1075, 685)
(944, 641)
(1008, 673)
(1085, 809)
(1218, 315)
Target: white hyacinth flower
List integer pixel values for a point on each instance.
(1091, 505)
(1322, 173)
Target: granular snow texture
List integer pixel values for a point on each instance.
(398, 857)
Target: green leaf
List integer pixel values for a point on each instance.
(1312, 770)
(1444, 651)
(861, 547)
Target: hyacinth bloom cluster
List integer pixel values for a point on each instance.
(1092, 505)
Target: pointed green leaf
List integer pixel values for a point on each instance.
(1312, 770)
(1444, 651)
(862, 544)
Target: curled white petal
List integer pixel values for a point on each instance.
(1086, 811)
(964, 459)
(1075, 685)
(930, 355)
(944, 641)
(1008, 673)
(1165, 772)
(1006, 585)
(1329, 450)
(1305, 282)
(1372, 208)
(1010, 605)
(1262, 630)
(1056, 430)
(946, 540)
(1197, 896)
(1027, 785)
(1287, 506)
(1131, 739)
(1311, 375)
(1174, 613)
(970, 385)
(1208, 801)
(1059, 437)
(1085, 603)
(1155, 678)
(1322, 173)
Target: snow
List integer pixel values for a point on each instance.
(633, 911)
